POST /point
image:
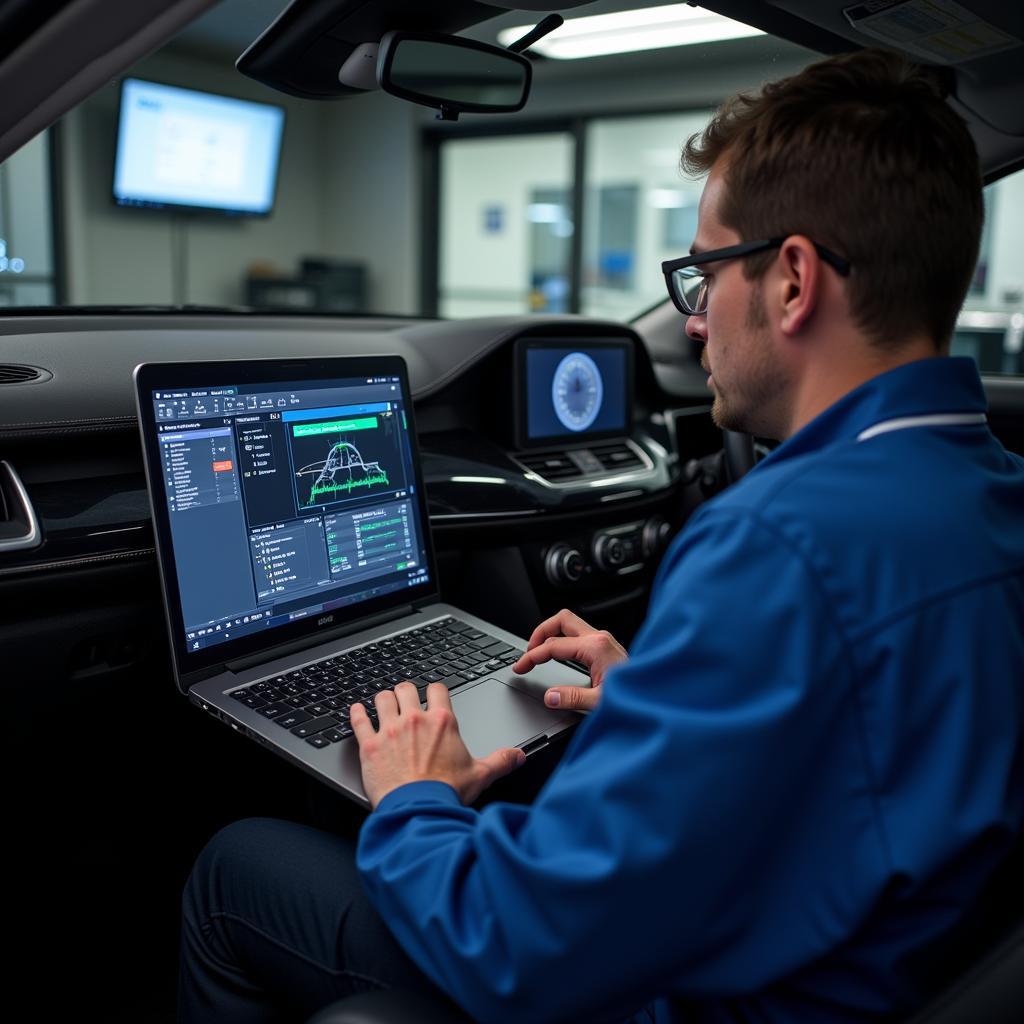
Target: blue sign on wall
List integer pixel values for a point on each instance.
(494, 219)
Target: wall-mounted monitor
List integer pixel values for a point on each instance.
(178, 148)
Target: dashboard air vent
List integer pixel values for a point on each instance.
(552, 466)
(616, 455)
(11, 373)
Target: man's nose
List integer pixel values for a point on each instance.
(697, 328)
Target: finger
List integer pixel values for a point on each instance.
(362, 727)
(500, 763)
(554, 647)
(408, 698)
(387, 706)
(573, 698)
(564, 623)
(438, 697)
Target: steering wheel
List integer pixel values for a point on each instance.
(739, 455)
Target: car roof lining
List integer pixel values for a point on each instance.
(93, 48)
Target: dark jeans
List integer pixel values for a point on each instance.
(275, 924)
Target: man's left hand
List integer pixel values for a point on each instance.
(414, 745)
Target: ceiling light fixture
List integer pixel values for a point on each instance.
(649, 28)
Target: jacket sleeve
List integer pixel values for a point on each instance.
(709, 829)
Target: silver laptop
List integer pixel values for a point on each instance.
(297, 566)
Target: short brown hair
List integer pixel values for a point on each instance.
(861, 154)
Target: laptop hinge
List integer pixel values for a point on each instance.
(320, 638)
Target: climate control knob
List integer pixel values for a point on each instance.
(564, 564)
(655, 534)
(610, 552)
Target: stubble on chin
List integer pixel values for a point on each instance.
(745, 407)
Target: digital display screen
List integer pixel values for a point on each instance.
(576, 391)
(178, 147)
(286, 501)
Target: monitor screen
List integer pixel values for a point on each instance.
(181, 148)
(287, 500)
(574, 391)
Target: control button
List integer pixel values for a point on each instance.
(564, 564)
(609, 552)
(573, 565)
(655, 535)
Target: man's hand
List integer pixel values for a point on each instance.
(414, 745)
(567, 637)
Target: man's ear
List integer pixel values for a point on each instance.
(799, 286)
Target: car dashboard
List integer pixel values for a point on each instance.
(521, 525)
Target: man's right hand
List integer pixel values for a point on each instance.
(567, 637)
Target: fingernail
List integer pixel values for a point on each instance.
(552, 698)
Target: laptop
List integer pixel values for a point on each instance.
(297, 565)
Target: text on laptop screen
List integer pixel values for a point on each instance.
(287, 501)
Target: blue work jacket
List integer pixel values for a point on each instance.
(804, 771)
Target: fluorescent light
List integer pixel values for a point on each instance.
(649, 28)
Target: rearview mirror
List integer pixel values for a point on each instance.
(452, 74)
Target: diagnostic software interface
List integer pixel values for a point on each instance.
(286, 501)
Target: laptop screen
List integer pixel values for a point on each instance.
(285, 500)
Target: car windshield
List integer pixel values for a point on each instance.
(186, 183)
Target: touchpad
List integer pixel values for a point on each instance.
(493, 715)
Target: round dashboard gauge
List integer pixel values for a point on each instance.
(576, 391)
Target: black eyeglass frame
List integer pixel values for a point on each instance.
(730, 252)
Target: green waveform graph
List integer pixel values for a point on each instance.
(321, 488)
(343, 472)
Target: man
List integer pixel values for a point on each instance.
(803, 773)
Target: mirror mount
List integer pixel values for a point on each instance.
(549, 24)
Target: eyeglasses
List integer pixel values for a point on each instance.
(688, 288)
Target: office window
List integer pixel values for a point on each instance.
(990, 328)
(26, 227)
(638, 209)
(505, 224)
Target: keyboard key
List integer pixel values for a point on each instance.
(320, 741)
(496, 650)
(292, 719)
(314, 725)
(331, 735)
(273, 710)
(255, 702)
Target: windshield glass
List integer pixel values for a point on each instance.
(185, 182)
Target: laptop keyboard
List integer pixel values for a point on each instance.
(313, 702)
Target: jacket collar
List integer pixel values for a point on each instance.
(925, 387)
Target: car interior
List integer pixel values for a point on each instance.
(190, 180)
